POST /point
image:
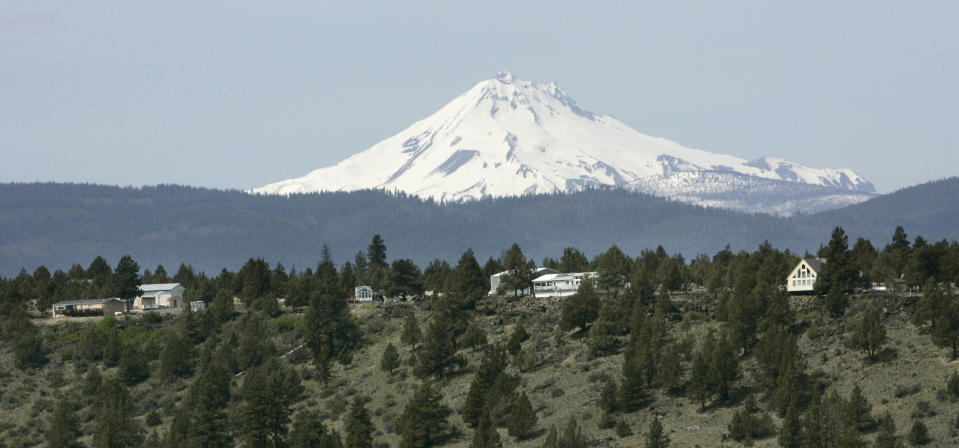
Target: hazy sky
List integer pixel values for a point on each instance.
(238, 94)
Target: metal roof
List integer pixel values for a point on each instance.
(86, 302)
(149, 287)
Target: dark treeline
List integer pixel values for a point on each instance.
(57, 224)
(238, 387)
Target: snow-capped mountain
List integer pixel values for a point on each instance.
(508, 137)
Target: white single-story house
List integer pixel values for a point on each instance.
(197, 305)
(560, 285)
(159, 295)
(93, 307)
(803, 276)
(495, 279)
(363, 294)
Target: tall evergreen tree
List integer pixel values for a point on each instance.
(790, 434)
(411, 331)
(580, 309)
(269, 392)
(492, 365)
(655, 437)
(437, 356)
(572, 436)
(127, 279)
(309, 432)
(838, 271)
(887, 438)
(208, 400)
(390, 359)
(376, 252)
(522, 418)
(63, 427)
(467, 277)
(485, 435)
(869, 335)
(331, 332)
(723, 367)
(518, 268)
(516, 339)
(115, 426)
(359, 427)
(424, 419)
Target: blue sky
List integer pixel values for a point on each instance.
(238, 94)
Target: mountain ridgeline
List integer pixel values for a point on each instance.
(58, 224)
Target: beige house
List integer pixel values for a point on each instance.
(93, 307)
(803, 276)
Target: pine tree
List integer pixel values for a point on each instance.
(609, 396)
(869, 335)
(115, 426)
(269, 391)
(602, 336)
(516, 339)
(790, 434)
(518, 269)
(580, 309)
(669, 372)
(858, 412)
(176, 359)
(424, 419)
(491, 366)
(208, 400)
(919, 434)
(723, 367)
(29, 350)
(359, 428)
(656, 438)
(63, 428)
(468, 278)
(572, 436)
(552, 438)
(133, 366)
(522, 418)
(127, 280)
(437, 356)
(411, 331)
(309, 432)
(887, 438)
(474, 336)
(838, 272)
(376, 252)
(699, 382)
(331, 332)
(485, 435)
(390, 359)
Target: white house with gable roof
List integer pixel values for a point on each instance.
(560, 285)
(803, 276)
(159, 295)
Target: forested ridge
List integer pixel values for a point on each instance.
(707, 351)
(57, 224)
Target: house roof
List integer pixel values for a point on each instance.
(814, 263)
(569, 276)
(86, 302)
(532, 271)
(152, 287)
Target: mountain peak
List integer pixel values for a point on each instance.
(504, 76)
(509, 137)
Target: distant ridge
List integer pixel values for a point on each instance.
(510, 137)
(60, 224)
